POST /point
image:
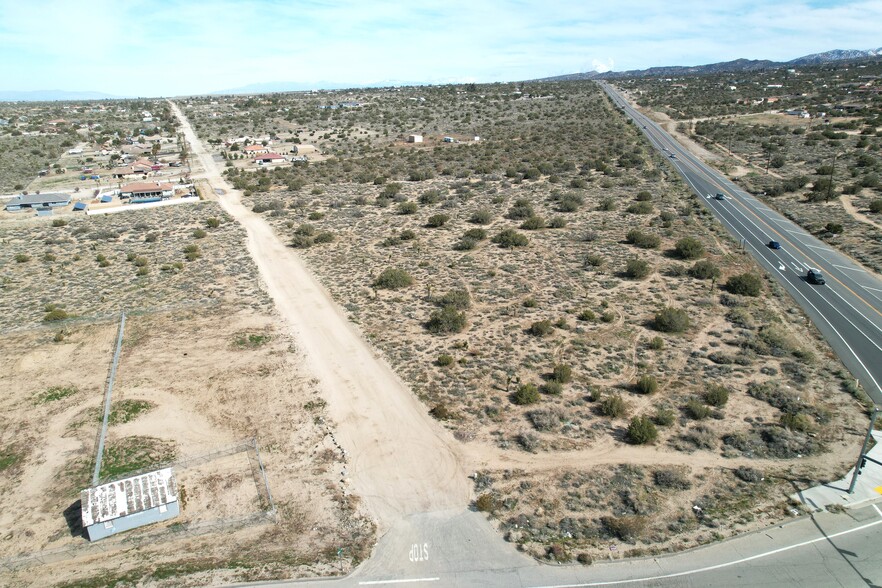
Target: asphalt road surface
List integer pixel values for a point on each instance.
(847, 310)
(434, 551)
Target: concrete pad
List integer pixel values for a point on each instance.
(868, 487)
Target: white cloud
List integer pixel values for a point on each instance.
(169, 47)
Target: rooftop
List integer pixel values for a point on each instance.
(145, 187)
(128, 496)
(37, 199)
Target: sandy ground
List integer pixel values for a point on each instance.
(402, 462)
(851, 209)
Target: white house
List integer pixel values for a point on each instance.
(414, 138)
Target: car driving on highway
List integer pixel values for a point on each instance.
(815, 277)
(774, 245)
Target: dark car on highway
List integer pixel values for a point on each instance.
(774, 245)
(720, 196)
(815, 277)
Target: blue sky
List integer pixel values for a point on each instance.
(174, 47)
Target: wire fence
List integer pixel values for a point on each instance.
(267, 514)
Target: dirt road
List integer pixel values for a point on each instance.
(400, 461)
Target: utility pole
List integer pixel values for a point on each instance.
(862, 457)
(832, 171)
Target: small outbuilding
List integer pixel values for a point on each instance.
(129, 503)
(54, 200)
(303, 149)
(79, 206)
(414, 138)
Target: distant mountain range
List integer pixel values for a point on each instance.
(738, 65)
(271, 87)
(52, 96)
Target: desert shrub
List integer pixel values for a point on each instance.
(392, 279)
(192, 252)
(432, 196)
(529, 302)
(302, 241)
(613, 406)
(557, 222)
(305, 229)
(643, 240)
(704, 270)
(835, 228)
(641, 431)
(696, 410)
(626, 528)
(407, 235)
(540, 328)
(586, 315)
(486, 503)
(646, 384)
(446, 320)
(570, 202)
(643, 196)
(509, 238)
(637, 269)
(746, 284)
(528, 441)
(476, 234)
(212, 223)
(22, 258)
(552, 387)
(797, 422)
(558, 552)
(748, 474)
(689, 248)
(533, 223)
(407, 208)
(437, 220)
(444, 359)
(59, 222)
(671, 320)
(545, 420)
(522, 209)
(671, 478)
(465, 244)
(324, 237)
(199, 234)
(562, 373)
(608, 204)
(700, 437)
(716, 395)
(482, 216)
(640, 208)
(441, 412)
(458, 299)
(594, 260)
(876, 206)
(657, 343)
(54, 313)
(526, 394)
(664, 416)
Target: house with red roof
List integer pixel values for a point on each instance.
(269, 159)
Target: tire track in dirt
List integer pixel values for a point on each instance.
(401, 461)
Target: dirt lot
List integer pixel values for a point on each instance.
(211, 370)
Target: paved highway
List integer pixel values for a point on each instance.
(847, 310)
(463, 550)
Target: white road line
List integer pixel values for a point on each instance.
(404, 581)
(851, 269)
(819, 247)
(722, 565)
(877, 510)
